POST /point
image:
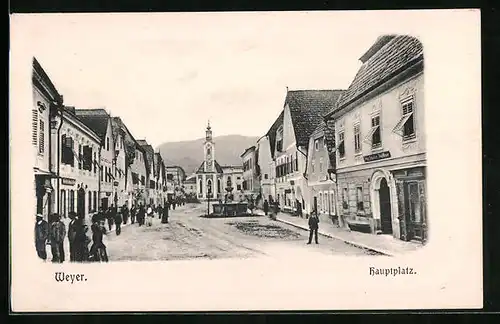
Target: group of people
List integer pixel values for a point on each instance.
(54, 232)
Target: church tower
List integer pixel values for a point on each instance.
(209, 152)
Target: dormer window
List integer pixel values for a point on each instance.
(279, 139)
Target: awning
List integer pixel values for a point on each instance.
(39, 172)
(398, 129)
(368, 138)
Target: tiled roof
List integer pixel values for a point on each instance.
(394, 56)
(95, 119)
(307, 108)
(247, 150)
(149, 154)
(271, 133)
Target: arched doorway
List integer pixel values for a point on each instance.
(385, 207)
(80, 203)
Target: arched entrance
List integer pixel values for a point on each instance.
(385, 207)
(381, 200)
(80, 203)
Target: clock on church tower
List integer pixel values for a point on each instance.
(209, 149)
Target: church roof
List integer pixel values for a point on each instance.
(201, 169)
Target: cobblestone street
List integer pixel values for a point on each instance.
(189, 236)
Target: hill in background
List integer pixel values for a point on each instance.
(189, 154)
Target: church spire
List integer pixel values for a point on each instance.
(208, 133)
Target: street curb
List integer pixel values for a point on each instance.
(356, 244)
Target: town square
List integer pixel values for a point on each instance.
(339, 171)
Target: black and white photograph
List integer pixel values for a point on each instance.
(245, 161)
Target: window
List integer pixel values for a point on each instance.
(87, 158)
(320, 202)
(345, 205)
(320, 164)
(359, 198)
(414, 202)
(107, 143)
(357, 143)
(201, 186)
(296, 161)
(238, 178)
(94, 162)
(316, 144)
(312, 166)
(374, 135)
(34, 121)
(67, 155)
(100, 173)
(63, 203)
(332, 203)
(279, 139)
(95, 200)
(80, 157)
(238, 187)
(406, 125)
(325, 202)
(266, 176)
(41, 137)
(90, 201)
(71, 201)
(341, 146)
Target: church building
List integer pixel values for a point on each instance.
(213, 180)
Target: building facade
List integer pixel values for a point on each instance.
(151, 173)
(99, 121)
(46, 101)
(380, 136)
(303, 112)
(251, 171)
(121, 196)
(76, 150)
(138, 172)
(175, 182)
(321, 177)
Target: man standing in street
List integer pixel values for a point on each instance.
(125, 213)
(133, 212)
(266, 207)
(72, 233)
(57, 234)
(313, 227)
(118, 222)
(41, 236)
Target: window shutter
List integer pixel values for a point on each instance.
(34, 126)
(41, 140)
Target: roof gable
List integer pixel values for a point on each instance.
(271, 133)
(95, 119)
(390, 59)
(307, 108)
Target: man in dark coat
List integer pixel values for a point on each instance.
(118, 222)
(164, 216)
(125, 213)
(141, 214)
(57, 234)
(110, 216)
(266, 207)
(313, 227)
(98, 250)
(41, 236)
(133, 212)
(72, 229)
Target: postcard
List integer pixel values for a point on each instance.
(246, 161)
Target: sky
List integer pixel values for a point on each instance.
(166, 75)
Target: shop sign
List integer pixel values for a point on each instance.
(68, 181)
(377, 156)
